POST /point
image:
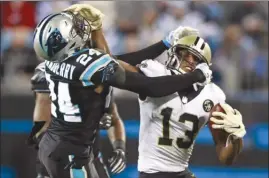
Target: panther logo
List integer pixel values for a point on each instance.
(55, 42)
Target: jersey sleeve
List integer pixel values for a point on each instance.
(98, 70)
(38, 81)
(221, 97)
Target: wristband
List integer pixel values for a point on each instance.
(166, 43)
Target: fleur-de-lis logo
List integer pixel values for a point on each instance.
(208, 105)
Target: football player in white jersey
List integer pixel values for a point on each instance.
(170, 124)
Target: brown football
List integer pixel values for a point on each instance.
(219, 134)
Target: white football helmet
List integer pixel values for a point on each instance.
(59, 35)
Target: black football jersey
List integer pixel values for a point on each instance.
(76, 107)
(38, 81)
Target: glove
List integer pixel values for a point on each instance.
(32, 140)
(178, 33)
(153, 68)
(232, 121)
(105, 122)
(207, 73)
(93, 15)
(118, 161)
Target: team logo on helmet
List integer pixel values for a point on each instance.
(55, 43)
(208, 105)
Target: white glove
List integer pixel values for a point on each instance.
(93, 15)
(207, 73)
(232, 121)
(153, 68)
(178, 33)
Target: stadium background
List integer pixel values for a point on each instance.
(236, 31)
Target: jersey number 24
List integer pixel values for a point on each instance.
(181, 143)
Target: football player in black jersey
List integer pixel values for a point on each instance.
(79, 80)
(41, 118)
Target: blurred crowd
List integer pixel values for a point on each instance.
(236, 31)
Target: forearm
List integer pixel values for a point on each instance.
(154, 86)
(150, 52)
(228, 154)
(116, 133)
(100, 41)
(41, 116)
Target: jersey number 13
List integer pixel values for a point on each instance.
(181, 143)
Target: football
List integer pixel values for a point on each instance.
(218, 134)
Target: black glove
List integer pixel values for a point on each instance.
(117, 162)
(105, 122)
(32, 140)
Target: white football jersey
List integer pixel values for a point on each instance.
(169, 125)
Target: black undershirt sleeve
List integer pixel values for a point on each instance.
(137, 57)
(153, 86)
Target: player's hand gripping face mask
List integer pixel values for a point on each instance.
(59, 35)
(178, 33)
(93, 15)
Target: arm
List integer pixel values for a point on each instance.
(117, 76)
(227, 154)
(229, 141)
(116, 133)
(106, 70)
(41, 115)
(132, 58)
(99, 39)
(157, 49)
(42, 111)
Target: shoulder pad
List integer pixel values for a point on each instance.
(41, 67)
(153, 68)
(218, 93)
(89, 52)
(38, 81)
